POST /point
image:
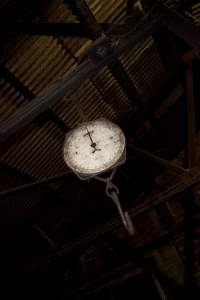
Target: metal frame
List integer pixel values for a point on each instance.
(170, 19)
(28, 94)
(165, 43)
(86, 17)
(82, 241)
(24, 116)
(190, 163)
(163, 162)
(40, 104)
(57, 29)
(35, 184)
(29, 182)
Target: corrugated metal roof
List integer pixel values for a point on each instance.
(145, 68)
(194, 13)
(37, 61)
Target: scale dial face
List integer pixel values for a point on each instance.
(94, 147)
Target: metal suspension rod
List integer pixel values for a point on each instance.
(163, 162)
(32, 185)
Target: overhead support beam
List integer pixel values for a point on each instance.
(108, 279)
(167, 50)
(190, 160)
(32, 110)
(28, 94)
(186, 5)
(129, 7)
(49, 115)
(127, 85)
(26, 187)
(165, 43)
(32, 185)
(15, 82)
(86, 17)
(190, 55)
(15, 172)
(29, 112)
(190, 147)
(57, 29)
(190, 33)
(179, 25)
(163, 162)
(23, 90)
(167, 164)
(52, 29)
(149, 204)
(29, 181)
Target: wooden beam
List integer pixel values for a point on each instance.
(15, 82)
(23, 90)
(165, 43)
(190, 162)
(163, 162)
(190, 148)
(129, 7)
(148, 155)
(33, 185)
(57, 29)
(86, 17)
(138, 258)
(179, 25)
(190, 55)
(127, 85)
(167, 50)
(29, 95)
(28, 181)
(141, 209)
(29, 112)
(82, 10)
(186, 5)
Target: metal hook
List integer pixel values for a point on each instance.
(112, 191)
(130, 227)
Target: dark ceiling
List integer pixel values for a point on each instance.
(62, 237)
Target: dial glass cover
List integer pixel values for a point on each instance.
(94, 147)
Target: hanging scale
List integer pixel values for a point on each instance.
(95, 147)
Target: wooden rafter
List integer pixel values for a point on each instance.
(24, 90)
(165, 43)
(29, 112)
(58, 29)
(82, 10)
(153, 202)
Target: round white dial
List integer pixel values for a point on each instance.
(94, 147)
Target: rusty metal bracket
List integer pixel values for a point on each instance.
(101, 48)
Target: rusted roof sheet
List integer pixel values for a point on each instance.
(37, 61)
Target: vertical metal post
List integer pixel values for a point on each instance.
(190, 148)
(190, 162)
